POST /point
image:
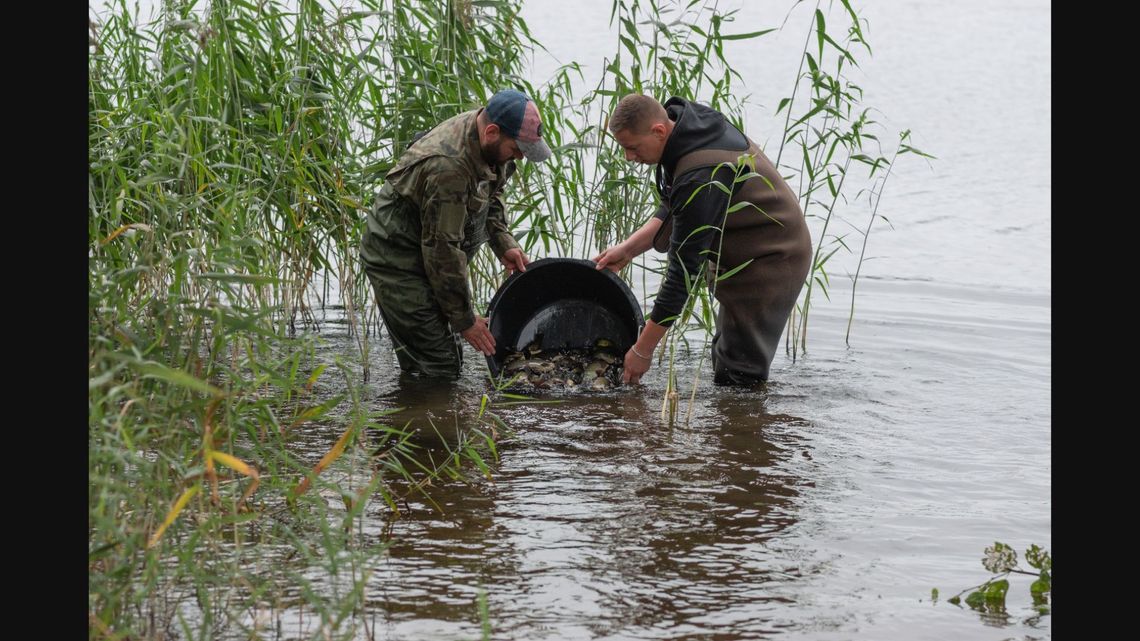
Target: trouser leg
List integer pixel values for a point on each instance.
(421, 335)
(753, 312)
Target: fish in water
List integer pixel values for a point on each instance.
(595, 368)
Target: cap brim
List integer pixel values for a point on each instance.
(536, 151)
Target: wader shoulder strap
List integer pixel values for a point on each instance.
(696, 160)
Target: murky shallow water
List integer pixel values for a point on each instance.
(824, 507)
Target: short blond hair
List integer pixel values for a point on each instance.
(636, 113)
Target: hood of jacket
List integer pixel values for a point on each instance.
(696, 127)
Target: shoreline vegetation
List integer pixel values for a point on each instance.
(234, 148)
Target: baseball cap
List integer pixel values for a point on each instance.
(517, 116)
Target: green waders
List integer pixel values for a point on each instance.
(391, 255)
(422, 338)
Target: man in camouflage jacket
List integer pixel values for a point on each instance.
(439, 203)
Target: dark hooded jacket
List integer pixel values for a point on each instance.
(770, 228)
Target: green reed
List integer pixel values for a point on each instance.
(830, 136)
(232, 149)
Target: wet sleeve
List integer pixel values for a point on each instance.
(443, 211)
(696, 207)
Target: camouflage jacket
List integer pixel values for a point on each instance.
(438, 205)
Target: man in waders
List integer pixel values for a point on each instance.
(439, 203)
(688, 142)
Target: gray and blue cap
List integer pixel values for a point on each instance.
(517, 116)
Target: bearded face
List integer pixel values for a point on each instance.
(502, 150)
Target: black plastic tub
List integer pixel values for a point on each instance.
(564, 303)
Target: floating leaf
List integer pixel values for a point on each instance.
(996, 591)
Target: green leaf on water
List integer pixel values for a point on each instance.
(975, 599)
(934, 594)
(996, 591)
(955, 600)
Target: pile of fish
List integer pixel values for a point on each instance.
(596, 368)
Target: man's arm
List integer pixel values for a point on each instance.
(443, 211)
(688, 251)
(691, 245)
(498, 231)
(502, 242)
(620, 255)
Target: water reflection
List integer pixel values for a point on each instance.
(432, 409)
(601, 520)
(692, 553)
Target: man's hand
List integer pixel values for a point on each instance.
(479, 336)
(613, 258)
(635, 367)
(515, 260)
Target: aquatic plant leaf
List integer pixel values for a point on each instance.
(315, 375)
(1038, 558)
(317, 411)
(236, 464)
(999, 558)
(996, 591)
(744, 36)
(233, 462)
(735, 269)
(326, 460)
(474, 457)
(177, 377)
(821, 30)
(252, 279)
(975, 599)
(120, 230)
(173, 513)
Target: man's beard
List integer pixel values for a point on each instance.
(492, 153)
